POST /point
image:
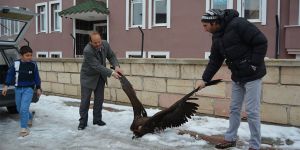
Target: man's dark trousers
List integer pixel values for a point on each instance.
(98, 102)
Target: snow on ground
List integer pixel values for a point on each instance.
(55, 127)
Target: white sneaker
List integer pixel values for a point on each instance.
(24, 132)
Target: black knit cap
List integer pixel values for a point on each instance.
(212, 15)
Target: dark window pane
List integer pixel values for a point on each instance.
(252, 9)
(161, 11)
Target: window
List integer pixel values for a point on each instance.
(299, 13)
(9, 29)
(12, 54)
(135, 13)
(41, 19)
(160, 12)
(158, 54)
(54, 18)
(55, 54)
(135, 54)
(4, 26)
(253, 10)
(42, 54)
(15, 29)
(219, 4)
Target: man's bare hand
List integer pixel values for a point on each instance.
(118, 69)
(200, 84)
(115, 75)
(4, 90)
(38, 92)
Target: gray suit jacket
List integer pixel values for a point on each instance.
(92, 69)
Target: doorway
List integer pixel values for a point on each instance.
(102, 29)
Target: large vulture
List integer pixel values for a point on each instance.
(174, 116)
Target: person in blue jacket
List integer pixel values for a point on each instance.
(25, 75)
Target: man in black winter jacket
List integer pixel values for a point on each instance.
(243, 47)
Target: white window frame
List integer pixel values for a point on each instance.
(129, 15)
(210, 6)
(54, 19)
(206, 55)
(262, 11)
(14, 25)
(166, 53)
(299, 13)
(46, 18)
(42, 53)
(55, 53)
(6, 23)
(168, 11)
(136, 53)
(17, 26)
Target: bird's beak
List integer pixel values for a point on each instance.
(133, 137)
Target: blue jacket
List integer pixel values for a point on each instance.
(23, 74)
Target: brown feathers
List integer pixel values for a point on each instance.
(174, 116)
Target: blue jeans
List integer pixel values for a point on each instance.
(23, 100)
(250, 92)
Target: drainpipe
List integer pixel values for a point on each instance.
(142, 49)
(277, 37)
(74, 45)
(26, 41)
(277, 17)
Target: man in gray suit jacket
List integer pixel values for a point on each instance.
(93, 76)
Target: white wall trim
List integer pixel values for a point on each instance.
(42, 53)
(46, 15)
(169, 13)
(107, 23)
(299, 13)
(136, 53)
(150, 14)
(264, 11)
(166, 53)
(239, 8)
(144, 15)
(127, 15)
(207, 5)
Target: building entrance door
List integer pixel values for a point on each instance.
(102, 29)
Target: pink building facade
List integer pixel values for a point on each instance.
(171, 28)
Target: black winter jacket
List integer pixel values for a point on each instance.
(242, 45)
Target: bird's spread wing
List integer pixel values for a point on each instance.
(178, 113)
(137, 106)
